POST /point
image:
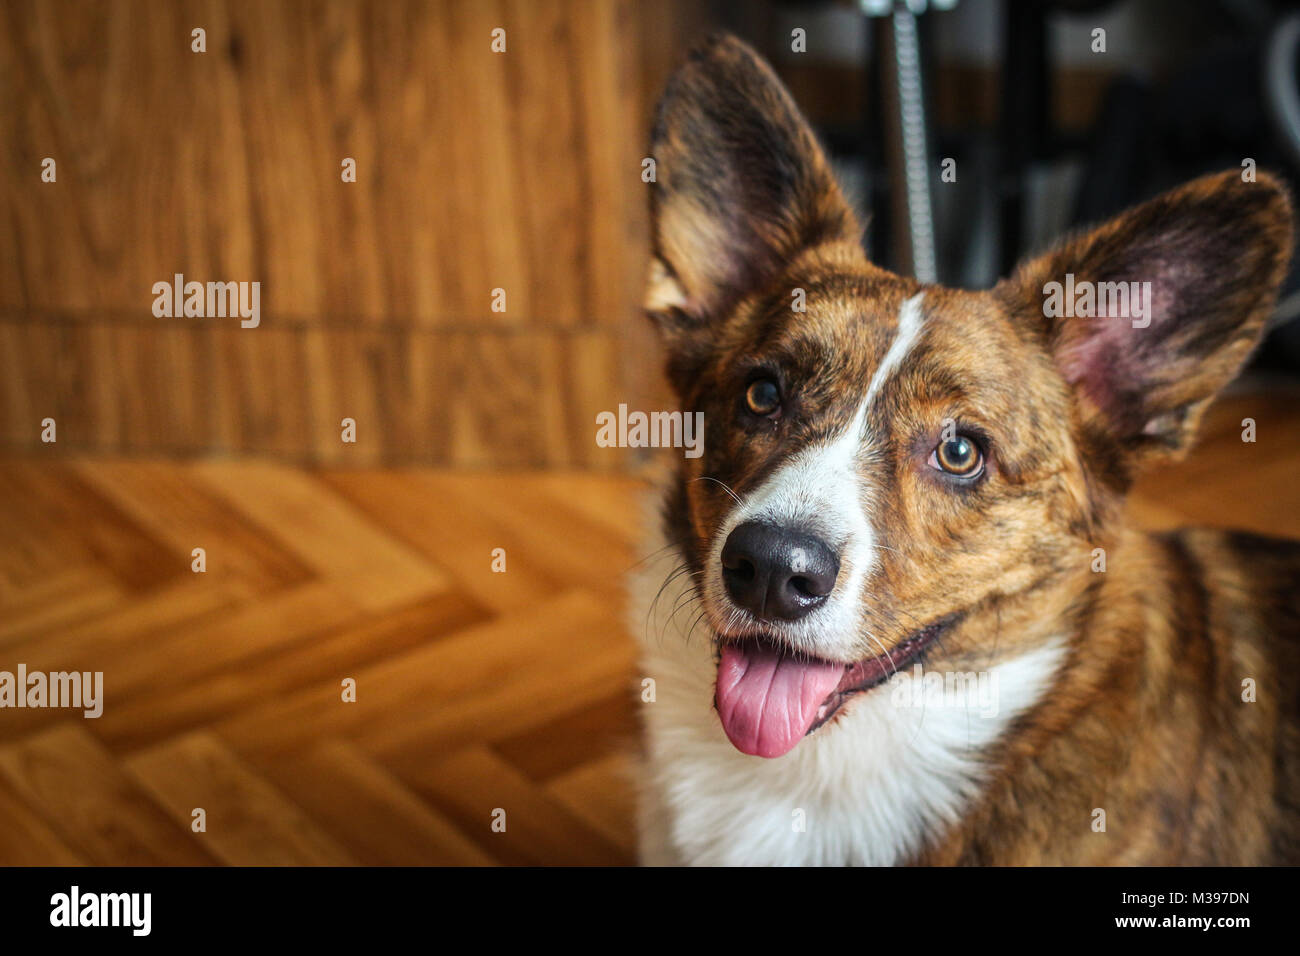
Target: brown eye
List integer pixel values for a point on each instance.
(763, 397)
(959, 456)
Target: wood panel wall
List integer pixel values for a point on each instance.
(475, 171)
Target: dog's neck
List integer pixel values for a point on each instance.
(1105, 711)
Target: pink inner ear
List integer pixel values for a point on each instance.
(1109, 358)
(1088, 364)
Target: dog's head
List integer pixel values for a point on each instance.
(887, 463)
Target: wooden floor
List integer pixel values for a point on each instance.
(475, 690)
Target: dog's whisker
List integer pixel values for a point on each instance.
(725, 487)
(650, 557)
(654, 604)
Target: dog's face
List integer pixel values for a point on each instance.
(887, 465)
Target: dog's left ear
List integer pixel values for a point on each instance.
(1151, 314)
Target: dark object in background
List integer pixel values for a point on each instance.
(1225, 91)
(1215, 110)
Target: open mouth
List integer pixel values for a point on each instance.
(769, 698)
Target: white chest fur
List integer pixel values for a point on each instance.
(866, 789)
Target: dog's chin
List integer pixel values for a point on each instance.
(770, 696)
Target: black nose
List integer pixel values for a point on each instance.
(776, 573)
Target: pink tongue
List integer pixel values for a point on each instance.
(767, 699)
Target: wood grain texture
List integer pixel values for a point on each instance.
(476, 171)
(85, 795)
(247, 819)
(222, 689)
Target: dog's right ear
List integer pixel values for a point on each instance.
(741, 186)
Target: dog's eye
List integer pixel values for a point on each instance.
(959, 456)
(763, 397)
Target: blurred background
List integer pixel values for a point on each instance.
(462, 560)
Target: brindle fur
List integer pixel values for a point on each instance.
(1146, 718)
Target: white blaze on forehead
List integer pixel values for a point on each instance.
(910, 320)
(820, 490)
(822, 479)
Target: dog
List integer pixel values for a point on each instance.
(898, 616)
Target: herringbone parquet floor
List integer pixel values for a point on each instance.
(476, 691)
